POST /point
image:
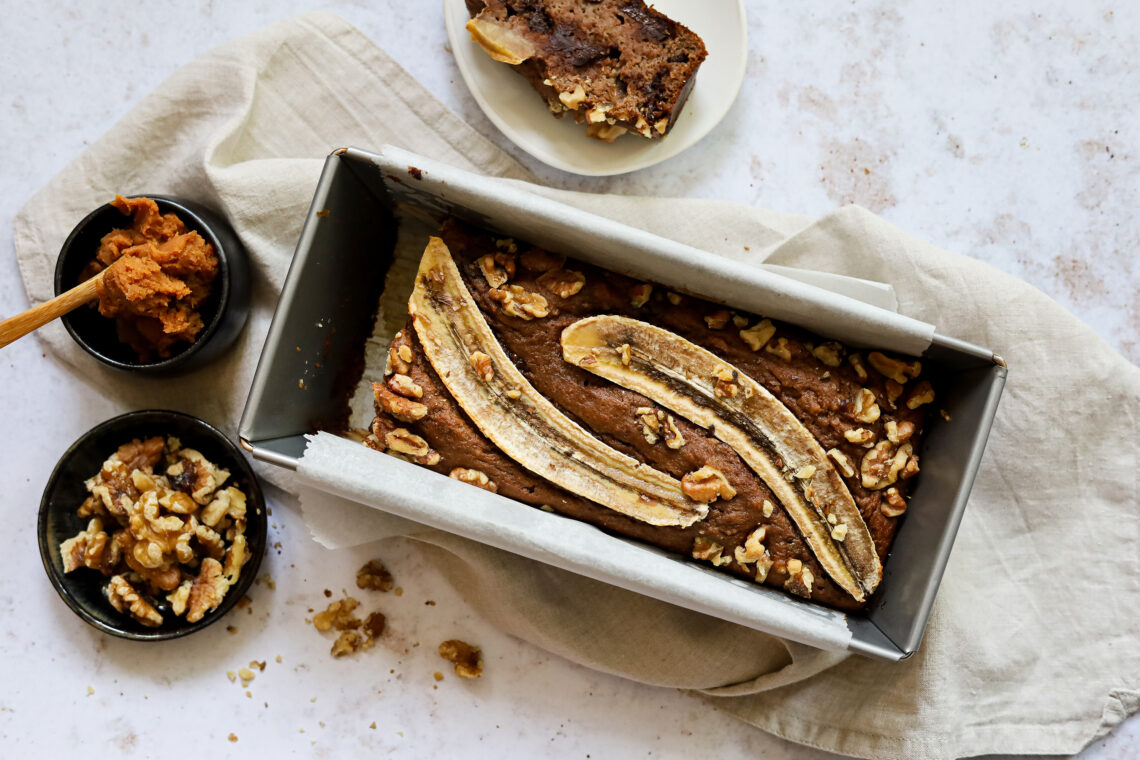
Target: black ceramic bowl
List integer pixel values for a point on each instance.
(82, 589)
(224, 312)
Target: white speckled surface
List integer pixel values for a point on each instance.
(1005, 131)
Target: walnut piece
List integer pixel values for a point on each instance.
(896, 370)
(759, 334)
(893, 505)
(477, 478)
(208, 590)
(403, 409)
(923, 393)
(338, 615)
(883, 463)
(405, 442)
(483, 366)
(726, 385)
(780, 349)
(859, 436)
(857, 364)
(468, 660)
(516, 301)
(497, 268)
(706, 485)
(374, 576)
(864, 408)
(831, 354)
(396, 361)
(402, 385)
(639, 295)
(564, 283)
(707, 549)
(124, 598)
(899, 432)
(800, 579)
(718, 320)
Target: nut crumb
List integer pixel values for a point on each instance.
(232, 737)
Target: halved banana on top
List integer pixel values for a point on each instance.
(713, 394)
(517, 418)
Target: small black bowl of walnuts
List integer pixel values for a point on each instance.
(152, 525)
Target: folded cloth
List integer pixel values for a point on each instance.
(1032, 644)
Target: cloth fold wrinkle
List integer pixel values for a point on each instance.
(1014, 659)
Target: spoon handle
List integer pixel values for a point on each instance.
(20, 325)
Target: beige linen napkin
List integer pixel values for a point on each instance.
(1032, 647)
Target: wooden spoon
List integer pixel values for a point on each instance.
(36, 317)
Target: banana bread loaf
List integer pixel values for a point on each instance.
(615, 65)
(766, 451)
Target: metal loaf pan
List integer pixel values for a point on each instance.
(311, 362)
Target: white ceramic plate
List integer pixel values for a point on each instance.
(515, 108)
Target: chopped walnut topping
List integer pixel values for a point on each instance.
(403, 385)
(650, 423)
(893, 505)
(839, 532)
(882, 464)
(538, 260)
(726, 385)
(516, 301)
(893, 391)
(404, 352)
(403, 409)
(910, 469)
(507, 245)
(476, 478)
(859, 436)
(707, 549)
(780, 349)
(124, 598)
(804, 473)
(673, 437)
(768, 508)
(396, 362)
(625, 354)
(374, 576)
(896, 370)
(753, 549)
(865, 408)
(899, 432)
(799, 580)
(338, 615)
(759, 334)
(842, 462)
(572, 99)
(483, 366)
(923, 393)
(468, 660)
(564, 283)
(857, 364)
(497, 269)
(405, 442)
(674, 298)
(639, 295)
(718, 320)
(707, 485)
(739, 321)
(830, 353)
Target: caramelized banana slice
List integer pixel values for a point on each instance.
(520, 420)
(501, 41)
(736, 409)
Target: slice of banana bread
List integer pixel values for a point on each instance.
(615, 65)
